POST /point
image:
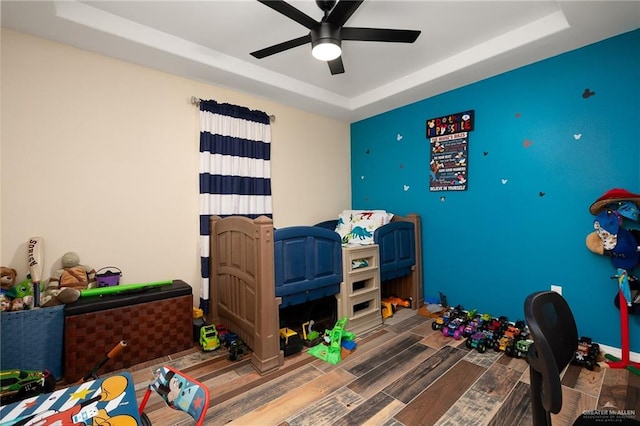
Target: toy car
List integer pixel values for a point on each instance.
(477, 340)
(587, 353)
(237, 348)
(16, 385)
(222, 330)
(454, 328)
(225, 336)
(232, 342)
(209, 340)
(440, 322)
(472, 326)
(228, 338)
(290, 341)
(490, 337)
(496, 325)
(522, 347)
(507, 341)
(448, 315)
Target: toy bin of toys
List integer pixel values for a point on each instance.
(32, 340)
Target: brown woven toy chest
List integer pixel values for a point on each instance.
(154, 323)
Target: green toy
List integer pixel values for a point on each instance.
(209, 340)
(331, 353)
(22, 289)
(21, 295)
(100, 291)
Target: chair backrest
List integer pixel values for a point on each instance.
(180, 392)
(555, 335)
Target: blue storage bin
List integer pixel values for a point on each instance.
(32, 340)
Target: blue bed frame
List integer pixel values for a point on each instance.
(400, 250)
(308, 264)
(256, 269)
(397, 249)
(396, 245)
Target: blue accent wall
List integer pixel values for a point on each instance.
(539, 156)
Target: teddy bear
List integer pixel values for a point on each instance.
(7, 282)
(8, 278)
(65, 285)
(10, 300)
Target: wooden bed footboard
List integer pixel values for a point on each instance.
(242, 289)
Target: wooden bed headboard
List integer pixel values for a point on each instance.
(241, 286)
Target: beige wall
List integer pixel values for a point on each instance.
(100, 157)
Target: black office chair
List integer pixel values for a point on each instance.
(555, 336)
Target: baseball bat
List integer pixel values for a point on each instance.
(35, 258)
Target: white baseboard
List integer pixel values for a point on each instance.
(617, 352)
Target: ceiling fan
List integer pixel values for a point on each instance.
(327, 34)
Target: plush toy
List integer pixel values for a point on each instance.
(65, 285)
(21, 295)
(8, 279)
(7, 283)
(18, 305)
(5, 302)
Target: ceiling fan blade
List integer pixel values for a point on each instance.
(343, 11)
(281, 47)
(291, 12)
(379, 34)
(336, 66)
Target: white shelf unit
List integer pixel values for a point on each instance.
(359, 297)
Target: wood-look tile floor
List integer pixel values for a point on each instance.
(402, 373)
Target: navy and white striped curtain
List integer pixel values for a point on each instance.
(235, 170)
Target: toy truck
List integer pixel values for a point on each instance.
(477, 340)
(454, 328)
(472, 326)
(451, 313)
(586, 353)
(490, 337)
(237, 348)
(209, 340)
(496, 325)
(522, 347)
(290, 341)
(507, 341)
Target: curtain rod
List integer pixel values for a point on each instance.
(196, 101)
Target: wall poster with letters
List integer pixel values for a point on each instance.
(448, 142)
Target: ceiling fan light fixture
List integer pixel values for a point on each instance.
(326, 50)
(325, 42)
